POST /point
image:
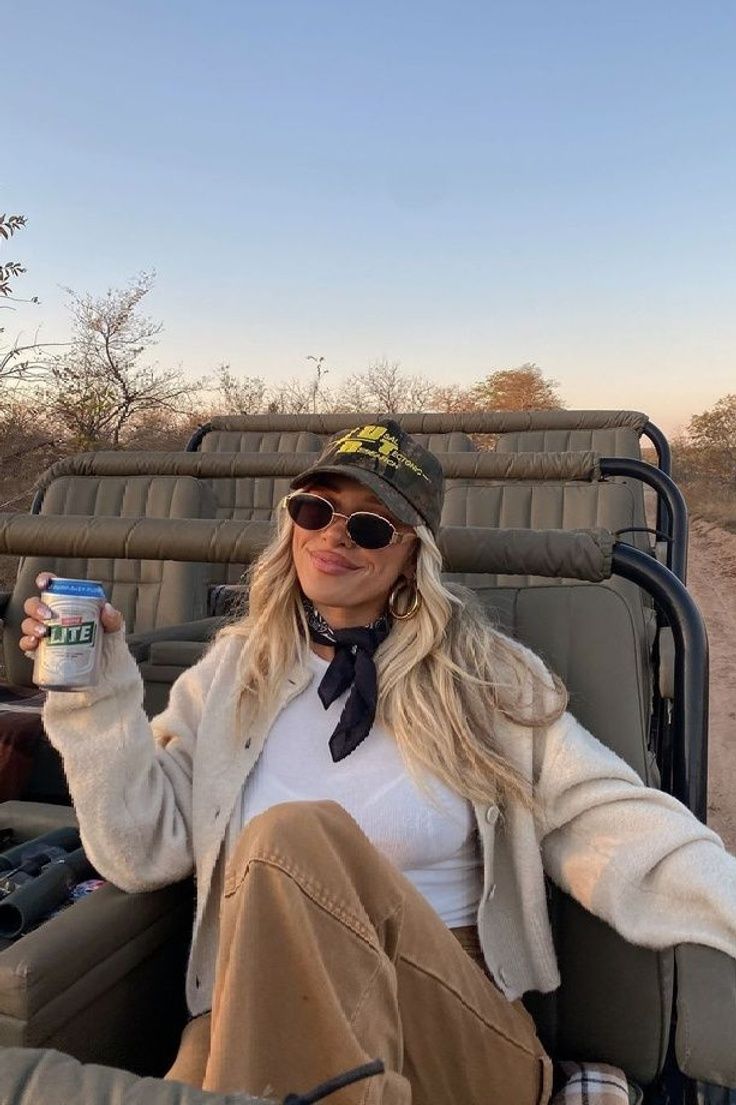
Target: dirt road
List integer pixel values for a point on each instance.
(712, 581)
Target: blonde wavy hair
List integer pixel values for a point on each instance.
(443, 675)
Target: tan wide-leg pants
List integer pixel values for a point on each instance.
(329, 958)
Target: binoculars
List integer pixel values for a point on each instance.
(36, 878)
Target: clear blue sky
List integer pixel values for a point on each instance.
(458, 186)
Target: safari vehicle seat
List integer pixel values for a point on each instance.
(551, 431)
(255, 498)
(610, 441)
(615, 1001)
(256, 434)
(520, 500)
(258, 497)
(151, 594)
(555, 505)
(452, 442)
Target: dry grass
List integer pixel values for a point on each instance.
(712, 500)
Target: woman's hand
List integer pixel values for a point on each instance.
(33, 628)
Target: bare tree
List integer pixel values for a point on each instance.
(296, 396)
(239, 395)
(100, 386)
(384, 389)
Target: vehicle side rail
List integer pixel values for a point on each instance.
(583, 465)
(590, 555)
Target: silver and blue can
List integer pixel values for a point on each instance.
(68, 657)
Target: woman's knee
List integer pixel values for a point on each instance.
(289, 827)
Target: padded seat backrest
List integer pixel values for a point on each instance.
(455, 442)
(260, 441)
(615, 999)
(615, 441)
(550, 505)
(251, 498)
(522, 504)
(150, 593)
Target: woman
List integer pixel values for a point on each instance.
(370, 782)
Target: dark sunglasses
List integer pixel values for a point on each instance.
(369, 531)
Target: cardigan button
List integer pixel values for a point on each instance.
(492, 815)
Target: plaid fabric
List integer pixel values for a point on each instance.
(594, 1084)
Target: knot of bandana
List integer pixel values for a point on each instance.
(352, 666)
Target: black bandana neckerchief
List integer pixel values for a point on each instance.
(352, 666)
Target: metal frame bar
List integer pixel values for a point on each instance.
(689, 740)
(669, 497)
(661, 445)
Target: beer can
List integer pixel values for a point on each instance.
(68, 657)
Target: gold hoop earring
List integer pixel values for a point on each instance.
(414, 604)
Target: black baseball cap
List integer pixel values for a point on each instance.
(404, 475)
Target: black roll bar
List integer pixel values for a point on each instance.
(689, 756)
(669, 496)
(661, 445)
(192, 446)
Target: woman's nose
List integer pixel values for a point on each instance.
(337, 530)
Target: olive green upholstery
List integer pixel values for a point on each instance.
(612, 441)
(259, 441)
(249, 498)
(551, 505)
(469, 422)
(104, 979)
(150, 593)
(523, 504)
(615, 1000)
(454, 442)
(48, 1077)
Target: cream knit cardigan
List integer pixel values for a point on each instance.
(154, 801)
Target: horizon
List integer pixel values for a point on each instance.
(461, 189)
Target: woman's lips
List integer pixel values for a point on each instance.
(332, 564)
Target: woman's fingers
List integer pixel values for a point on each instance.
(29, 627)
(33, 627)
(112, 619)
(36, 608)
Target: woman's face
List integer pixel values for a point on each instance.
(349, 585)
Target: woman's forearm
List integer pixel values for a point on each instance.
(132, 797)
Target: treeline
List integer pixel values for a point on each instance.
(104, 390)
(704, 463)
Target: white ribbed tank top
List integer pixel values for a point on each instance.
(433, 841)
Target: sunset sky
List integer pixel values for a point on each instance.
(457, 186)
